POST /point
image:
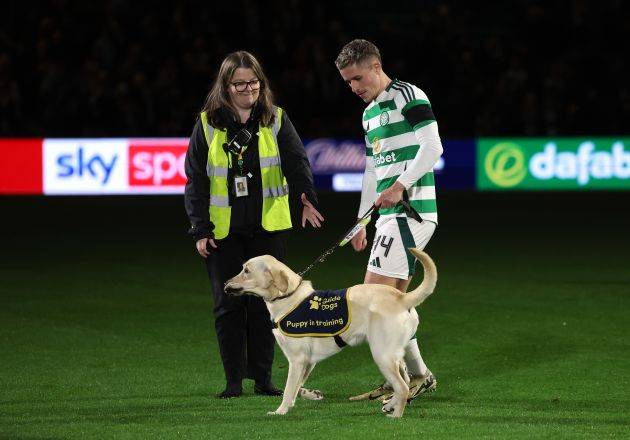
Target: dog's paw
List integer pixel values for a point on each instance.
(388, 406)
(271, 413)
(309, 394)
(386, 410)
(394, 416)
(278, 412)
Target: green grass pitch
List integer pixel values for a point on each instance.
(106, 328)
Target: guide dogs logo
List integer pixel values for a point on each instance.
(315, 302)
(505, 165)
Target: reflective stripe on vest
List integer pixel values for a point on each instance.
(275, 190)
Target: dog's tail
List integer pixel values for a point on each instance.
(420, 293)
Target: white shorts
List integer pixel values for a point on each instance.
(389, 255)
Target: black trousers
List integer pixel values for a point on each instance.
(242, 323)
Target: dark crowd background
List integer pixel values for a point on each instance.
(129, 68)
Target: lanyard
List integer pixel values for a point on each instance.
(239, 160)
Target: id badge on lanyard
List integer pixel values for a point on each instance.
(240, 181)
(240, 186)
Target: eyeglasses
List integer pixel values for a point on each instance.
(241, 86)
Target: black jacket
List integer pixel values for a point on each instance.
(246, 211)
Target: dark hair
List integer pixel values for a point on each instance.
(357, 52)
(218, 96)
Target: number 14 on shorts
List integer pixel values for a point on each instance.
(385, 242)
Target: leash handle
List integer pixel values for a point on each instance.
(364, 220)
(411, 211)
(354, 230)
(360, 224)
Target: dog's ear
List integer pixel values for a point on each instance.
(293, 281)
(284, 280)
(280, 279)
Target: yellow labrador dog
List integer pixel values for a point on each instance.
(381, 315)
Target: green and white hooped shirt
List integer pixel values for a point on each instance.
(389, 123)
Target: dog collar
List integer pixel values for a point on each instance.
(288, 294)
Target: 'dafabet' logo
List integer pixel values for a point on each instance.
(505, 164)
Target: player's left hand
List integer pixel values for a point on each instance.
(391, 196)
(310, 213)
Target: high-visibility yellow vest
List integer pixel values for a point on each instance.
(276, 215)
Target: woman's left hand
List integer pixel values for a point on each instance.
(310, 213)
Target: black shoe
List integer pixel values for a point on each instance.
(419, 385)
(231, 391)
(267, 390)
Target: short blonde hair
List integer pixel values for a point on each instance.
(357, 52)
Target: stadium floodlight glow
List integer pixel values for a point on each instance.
(347, 182)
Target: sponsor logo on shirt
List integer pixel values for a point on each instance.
(385, 158)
